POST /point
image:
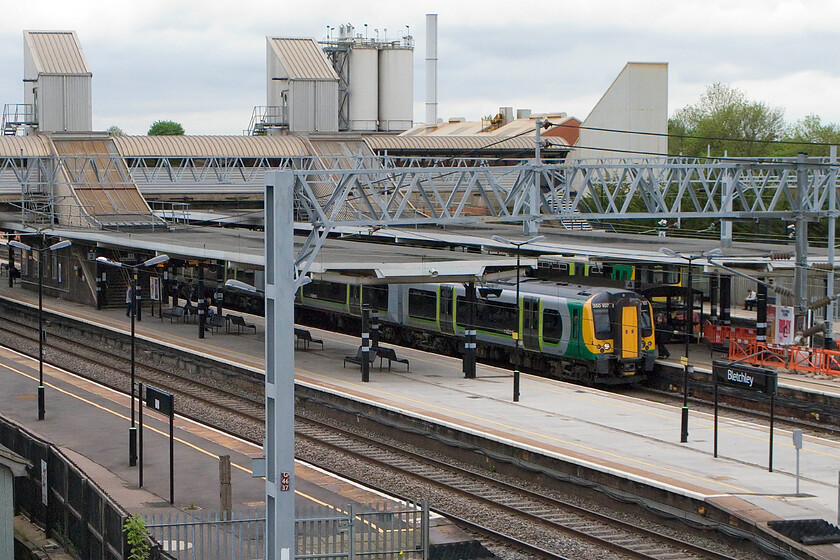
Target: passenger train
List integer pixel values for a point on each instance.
(593, 335)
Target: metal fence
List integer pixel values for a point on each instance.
(385, 531)
(58, 496)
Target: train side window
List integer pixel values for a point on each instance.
(496, 316)
(376, 296)
(552, 326)
(326, 291)
(422, 304)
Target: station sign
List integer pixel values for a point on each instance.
(746, 377)
(160, 400)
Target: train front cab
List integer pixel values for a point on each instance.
(619, 334)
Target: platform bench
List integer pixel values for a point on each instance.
(305, 337)
(390, 355)
(174, 314)
(239, 322)
(359, 358)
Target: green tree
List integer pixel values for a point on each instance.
(809, 131)
(115, 131)
(164, 128)
(724, 120)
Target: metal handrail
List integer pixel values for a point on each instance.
(18, 114)
(267, 116)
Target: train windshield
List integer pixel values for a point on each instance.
(602, 323)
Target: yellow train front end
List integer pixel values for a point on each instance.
(618, 333)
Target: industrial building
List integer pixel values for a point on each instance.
(329, 105)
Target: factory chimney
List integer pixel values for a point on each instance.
(431, 69)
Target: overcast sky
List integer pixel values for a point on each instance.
(202, 63)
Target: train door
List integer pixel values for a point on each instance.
(627, 339)
(355, 300)
(445, 308)
(575, 334)
(531, 323)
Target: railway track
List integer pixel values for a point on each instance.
(506, 504)
(503, 511)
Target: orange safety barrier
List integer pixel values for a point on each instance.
(774, 356)
(739, 350)
(717, 334)
(794, 358)
(831, 364)
(803, 358)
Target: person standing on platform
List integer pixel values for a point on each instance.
(128, 298)
(662, 335)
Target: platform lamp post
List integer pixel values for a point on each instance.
(517, 355)
(689, 328)
(160, 259)
(42, 404)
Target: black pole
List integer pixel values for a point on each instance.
(518, 322)
(42, 410)
(132, 431)
(140, 422)
(139, 291)
(11, 266)
(374, 328)
(726, 299)
(100, 285)
(772, 418)
(761, 314)
(716, 414)
(689, 331)
(713, 297)
(469, 333)
(202, 303)
(172, 453)
(365, 345)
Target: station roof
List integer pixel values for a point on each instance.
(454, 143)
(287, 145)
(211, 146)
(598, 245)
(347, 261)
(57, 52)
(33, 145)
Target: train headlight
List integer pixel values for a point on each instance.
(607, 346)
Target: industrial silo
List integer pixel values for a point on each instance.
(363, 86)
(396, 87)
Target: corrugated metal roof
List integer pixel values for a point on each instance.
(303, 59)
(35, 145)
(476, 142)
(57, 52)
(211, 146)
(468, 128)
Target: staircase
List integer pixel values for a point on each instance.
(265, 117)
(571, 224)
(16, 115)
(102, 185)
(117, 280)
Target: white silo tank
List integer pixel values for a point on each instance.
(363, 87)
(396, 89)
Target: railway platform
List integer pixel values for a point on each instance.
(603, 430)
